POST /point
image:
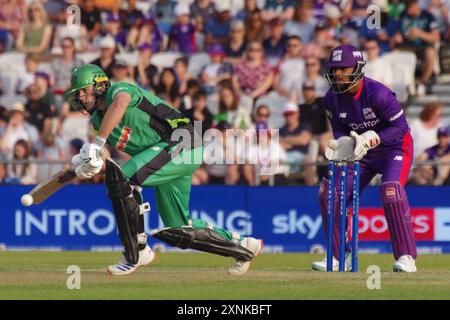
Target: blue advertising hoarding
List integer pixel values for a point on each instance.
(287, 218)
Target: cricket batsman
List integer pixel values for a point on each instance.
(133, 120)
(369, 126)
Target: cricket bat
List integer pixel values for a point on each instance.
(45, 189)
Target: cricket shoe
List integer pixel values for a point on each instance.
(322, 265)
(240, 267)
(146, 256)
(405, 263)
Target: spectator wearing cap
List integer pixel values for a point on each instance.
(91, 18)
(417, 33)
(377, 68)
(291, 68)
(435, 174)
(313, 114)
(27, 77)
(34, 36)
(388, 28)
(130, 16)
(21, 173)
(199, 111)
(249, 6)
(283, 9)
(253, 76)
(237, 44)
(254, 26)
(312, 111)
(162, 11)
(40, 111)
(295, 137)
(218, 28)
(107, 51)
(216, 70)
(16, 129)
(62, 66)
(204, 9)
(182, 33)
(303, 23)
(275, 44)
(121, 72)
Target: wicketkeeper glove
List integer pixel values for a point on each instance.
(364, 142)
(340, 149)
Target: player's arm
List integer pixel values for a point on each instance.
(90, 161)
(341, 146)
(113, 115)
(390, 111)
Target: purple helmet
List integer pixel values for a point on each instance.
(344, 56)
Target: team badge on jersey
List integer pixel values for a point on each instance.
(368, 113)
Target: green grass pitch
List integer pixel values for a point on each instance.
(42, 275)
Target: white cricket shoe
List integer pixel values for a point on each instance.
(146, 256)
(240, 267)
(322, 265)
(405, 263)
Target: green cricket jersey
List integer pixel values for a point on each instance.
(147, 121)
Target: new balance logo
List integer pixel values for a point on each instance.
(343, 115)
(398, 158)
(368, 113)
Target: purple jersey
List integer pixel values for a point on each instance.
(434, 154)
(375, 108)
(184, 37)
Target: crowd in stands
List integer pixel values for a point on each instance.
(248, 64)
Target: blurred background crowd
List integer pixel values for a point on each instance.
(230, 64)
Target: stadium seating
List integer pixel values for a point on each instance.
(403, 65)
(165, 59)
(197, 62)
(8, 101)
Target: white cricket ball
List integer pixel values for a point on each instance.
(27, 200)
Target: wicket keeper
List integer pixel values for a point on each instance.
(369, 126)
(133, 120)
